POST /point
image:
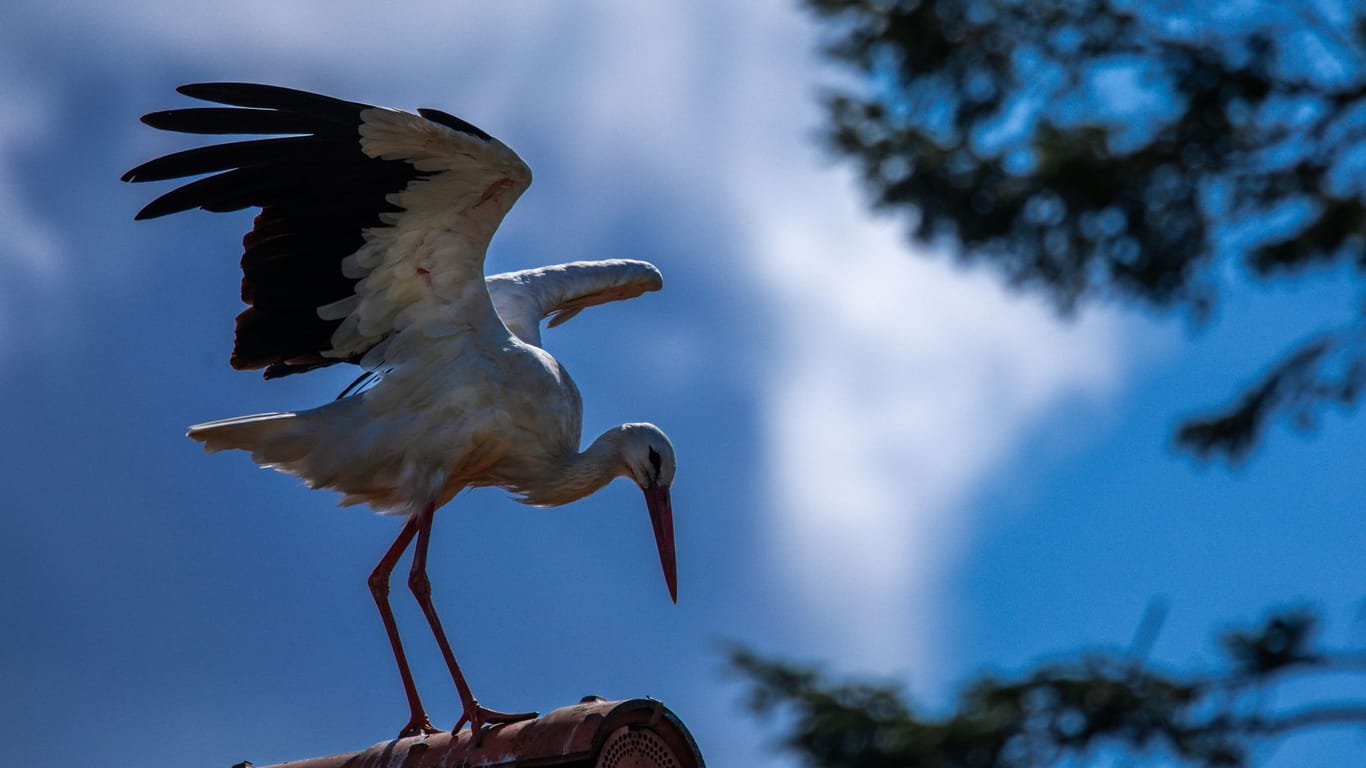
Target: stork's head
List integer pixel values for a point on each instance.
(649, 458)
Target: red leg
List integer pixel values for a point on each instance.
(476, 715)
(418, 721)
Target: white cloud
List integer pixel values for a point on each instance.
(29, 246)
(894, 384)
(897, 386)
(30, 256)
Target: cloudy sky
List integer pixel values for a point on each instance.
(887, 463)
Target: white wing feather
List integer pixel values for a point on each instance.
(425, 268)
(523, 299)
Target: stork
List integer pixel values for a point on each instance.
(369, 249)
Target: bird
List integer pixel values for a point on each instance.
(369, 249)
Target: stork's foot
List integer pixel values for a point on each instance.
(418, 725)
(478, 717)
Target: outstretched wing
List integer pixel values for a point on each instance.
(523, 299)
(372, 220)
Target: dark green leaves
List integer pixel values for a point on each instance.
(1093, 708)
(1089, 149)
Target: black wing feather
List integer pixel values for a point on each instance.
(232, 190)
(207, 193)
(317, 191)
(223, 157)
(274, 97)
(453, 122)
(229, 120)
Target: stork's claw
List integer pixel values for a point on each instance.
(478, 717)
(419, 725)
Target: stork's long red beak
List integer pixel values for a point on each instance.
(662, 517)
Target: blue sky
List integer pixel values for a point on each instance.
(887, 463)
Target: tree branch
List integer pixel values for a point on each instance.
(1328, 716)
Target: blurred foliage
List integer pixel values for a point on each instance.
(1097, 708)
(1129, 150)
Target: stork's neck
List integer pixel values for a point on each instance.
(582, 473)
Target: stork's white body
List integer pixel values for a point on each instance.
(370, 249)
(494, 412)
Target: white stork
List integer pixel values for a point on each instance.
(369, 249)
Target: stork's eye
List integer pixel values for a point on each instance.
(654, 460)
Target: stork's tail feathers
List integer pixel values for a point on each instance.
(247, 433)
(294, 443)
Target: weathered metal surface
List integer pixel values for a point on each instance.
(637, 732)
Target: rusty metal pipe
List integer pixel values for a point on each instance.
(592, 734)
